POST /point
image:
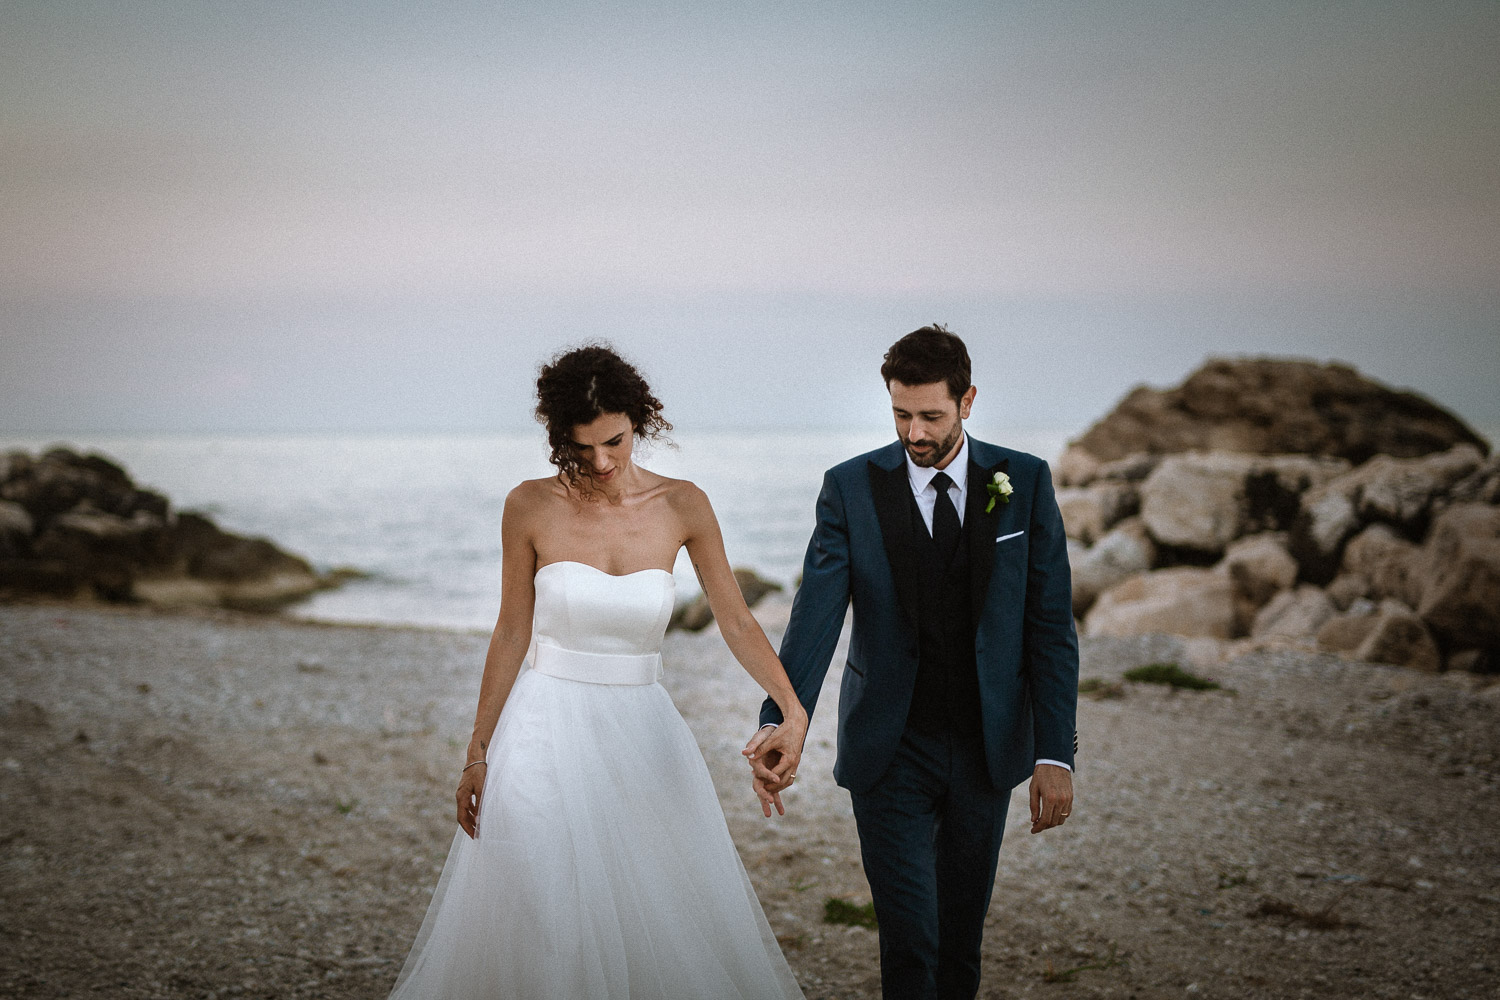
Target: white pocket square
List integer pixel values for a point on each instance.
(1013, 534)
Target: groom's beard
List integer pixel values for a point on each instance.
(932, 456)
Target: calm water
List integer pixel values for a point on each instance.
(422, 512)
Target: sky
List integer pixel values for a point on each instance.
(228, 216)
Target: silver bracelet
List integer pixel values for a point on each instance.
(471, 764)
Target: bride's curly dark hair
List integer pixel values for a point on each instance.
(580, 385)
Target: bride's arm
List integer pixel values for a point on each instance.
(742, 633)
(508, 644)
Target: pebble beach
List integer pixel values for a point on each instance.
(215, 804)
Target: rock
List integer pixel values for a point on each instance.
(1259, 567)
(1398, 637)
(1480, 486)
(13, 463)
(1269, 406)
(1181, 601)
(16, 527)
(1389, 563)
(696, 615)
(1089, 512)
(50, 577)
(1475, 661)
(61, 480)
(1343, 634)
(94, 532)
(1400, 491)
(1346, 589)
(1460, 598)
(1196, 502)
(1327, 519)
(1276, 485)
(1075, 467)
(1130, 469)
(1293, 614)
(1123, 552)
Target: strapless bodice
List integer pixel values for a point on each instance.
(592, 626)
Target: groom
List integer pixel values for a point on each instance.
(962, 675)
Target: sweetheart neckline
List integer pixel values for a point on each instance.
(596, 569)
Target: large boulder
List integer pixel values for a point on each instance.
(1259, 567)
(1183, 601)
(1388, 633)
(1389, 565)
(1268, 406)
(1089, 512)
(1400, 491)
(1293, 614)
(1123, 552)
(1197, 501)
(1461, 589)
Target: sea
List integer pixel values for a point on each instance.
(419, 514)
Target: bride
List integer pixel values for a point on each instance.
(593, 860)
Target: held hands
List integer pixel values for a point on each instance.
(1051, 796)
(773, 755)
(470, 789)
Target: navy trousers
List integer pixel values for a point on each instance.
(929, 833)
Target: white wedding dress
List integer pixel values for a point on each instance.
(602, 867)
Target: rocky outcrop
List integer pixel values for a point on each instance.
(696, 615)
(1389, 557)
(76, 526)
(1273, 406)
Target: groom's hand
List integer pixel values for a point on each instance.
(1051, 796)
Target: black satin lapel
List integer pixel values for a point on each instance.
(981, 532)
(891, 492)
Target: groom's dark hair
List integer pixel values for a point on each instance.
(928, 355)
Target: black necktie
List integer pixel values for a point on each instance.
(945, 526)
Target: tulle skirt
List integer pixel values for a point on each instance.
(602, 867)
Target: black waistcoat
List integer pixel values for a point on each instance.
(946, 695)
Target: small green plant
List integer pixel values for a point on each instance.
(345, 808)
(839, 911)
(1171, 674)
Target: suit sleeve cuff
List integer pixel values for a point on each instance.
(1059, 763)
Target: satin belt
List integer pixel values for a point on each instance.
(596, 668)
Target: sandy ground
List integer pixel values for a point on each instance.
(216, 805)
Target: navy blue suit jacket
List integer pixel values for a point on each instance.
(864, 550)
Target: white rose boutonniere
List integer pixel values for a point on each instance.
(999, 491)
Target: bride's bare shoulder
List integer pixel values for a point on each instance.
(533, 495)
(686, 498)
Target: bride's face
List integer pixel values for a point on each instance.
(604, 446)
